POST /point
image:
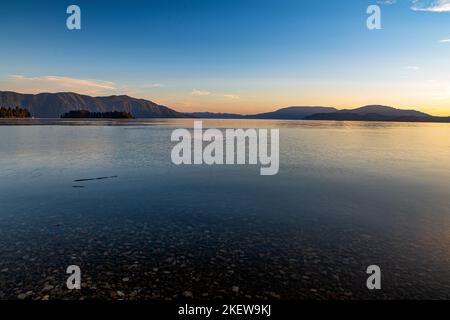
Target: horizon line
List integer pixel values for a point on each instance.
(224, 112)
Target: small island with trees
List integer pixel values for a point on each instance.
(16, 112)
(85, 114)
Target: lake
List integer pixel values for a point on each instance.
(348, 195)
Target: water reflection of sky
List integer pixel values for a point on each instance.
(380, 190)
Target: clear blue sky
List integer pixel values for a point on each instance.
(234, 55)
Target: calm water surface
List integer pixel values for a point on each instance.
(348, 195)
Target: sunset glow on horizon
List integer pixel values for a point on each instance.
(242, 57)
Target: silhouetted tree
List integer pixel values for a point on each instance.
(97, 115)
(17, 112)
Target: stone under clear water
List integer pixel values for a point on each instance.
(348, 195)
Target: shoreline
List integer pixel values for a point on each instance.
(112, 121)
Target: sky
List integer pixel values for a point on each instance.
(243, 56)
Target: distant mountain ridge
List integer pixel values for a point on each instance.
(53, 105)
(366, 113)
(377, 113)
(385, 111)
(289, 113)
(293, 113)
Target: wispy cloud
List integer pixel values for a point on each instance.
(200, 93)
(412, 68)
(153, 85)
(431, 6)
(388, 2)
(231, 97)
(444, 41)
(203, 93)
(59, 83)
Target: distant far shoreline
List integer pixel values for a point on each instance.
(73, 105)
(173, 121)
(370, 113)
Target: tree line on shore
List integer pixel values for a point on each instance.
(16, 112)
(19, 112)
(98, 115)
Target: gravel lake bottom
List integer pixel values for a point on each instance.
(108, 199)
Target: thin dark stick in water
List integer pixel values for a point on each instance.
(91, 179)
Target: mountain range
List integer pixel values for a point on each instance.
(290, 113)
(53, 105)
(366, 113)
